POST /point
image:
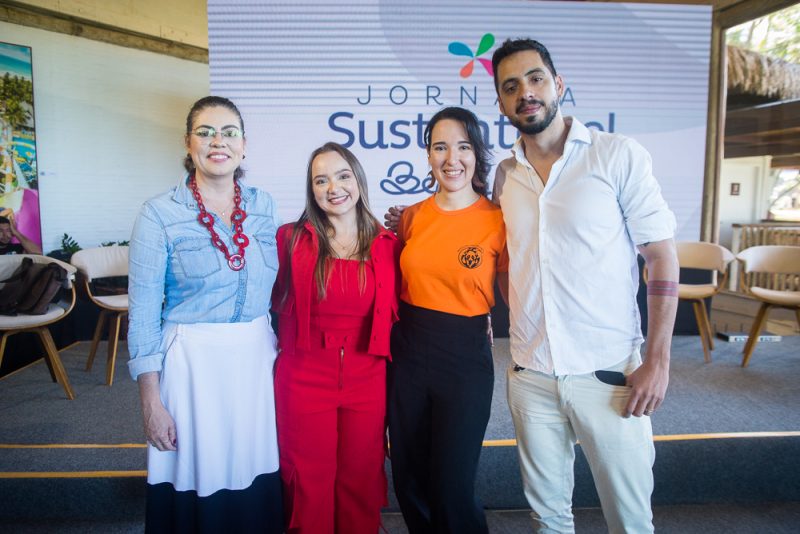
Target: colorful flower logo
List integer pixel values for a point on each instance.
(458, 48)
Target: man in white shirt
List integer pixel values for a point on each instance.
(577, 204)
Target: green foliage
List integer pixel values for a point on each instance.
(112, 243)
(16, 100)
(776, 35)
(69, 245)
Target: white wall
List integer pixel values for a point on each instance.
(109, 130)
(750, 205)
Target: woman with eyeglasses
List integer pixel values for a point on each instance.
(337, 298)
(202, 264)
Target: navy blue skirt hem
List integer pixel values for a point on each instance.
(255, 509)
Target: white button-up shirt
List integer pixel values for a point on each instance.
(573, 274)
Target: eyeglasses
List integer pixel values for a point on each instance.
(207, 133)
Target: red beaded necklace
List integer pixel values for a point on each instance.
(235, 261)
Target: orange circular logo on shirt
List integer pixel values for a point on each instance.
(470, 256)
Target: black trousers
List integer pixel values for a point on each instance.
(440, 395)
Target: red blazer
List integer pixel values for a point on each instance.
(295, 313)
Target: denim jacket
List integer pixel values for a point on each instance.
(177, 275)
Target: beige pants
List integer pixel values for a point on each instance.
(550, 413)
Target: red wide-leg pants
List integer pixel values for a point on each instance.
(331, 407)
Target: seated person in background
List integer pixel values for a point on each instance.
(8, 230)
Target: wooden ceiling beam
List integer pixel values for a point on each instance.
(784, 147)
(55, 21)
(764, 119)
(750, 134)
(750, 150)
(782, 162)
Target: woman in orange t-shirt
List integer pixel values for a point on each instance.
(442, 373)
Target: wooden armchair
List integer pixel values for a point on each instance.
(770, 274)
(102, 262)
(708, 257)
(10, 325)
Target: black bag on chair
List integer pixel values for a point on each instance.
(31, 288)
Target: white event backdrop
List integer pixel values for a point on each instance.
(368, 74)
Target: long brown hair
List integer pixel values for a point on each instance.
(368, 226)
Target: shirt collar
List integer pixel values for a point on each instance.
(183, 195)
(578, 133)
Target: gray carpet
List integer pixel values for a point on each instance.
(780, 518)
(724, 397)
(703, 398)
(710, 519)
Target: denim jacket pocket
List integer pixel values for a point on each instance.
(269, 249)
(197, 257)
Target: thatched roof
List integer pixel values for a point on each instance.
(764, 78)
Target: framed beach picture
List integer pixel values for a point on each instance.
(19, 184)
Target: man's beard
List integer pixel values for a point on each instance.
(536, 127)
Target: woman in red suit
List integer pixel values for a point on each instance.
(336, 297)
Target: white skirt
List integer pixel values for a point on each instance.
(217, 385)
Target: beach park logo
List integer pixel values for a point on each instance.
(470, 256)
(457, 48)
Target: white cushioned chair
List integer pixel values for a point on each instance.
(102, 262)
(779, 268)
(10, 325)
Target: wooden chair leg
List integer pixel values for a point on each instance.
(49, 363)
(707, 324)
(752, 339)
(98, 332)
(113, 342)
(796, 312)
(3, 345)
(701, 327)
(51, 354)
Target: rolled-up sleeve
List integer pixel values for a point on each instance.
(647, 216)
(146, 282)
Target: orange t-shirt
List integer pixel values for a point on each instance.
(450, 258)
